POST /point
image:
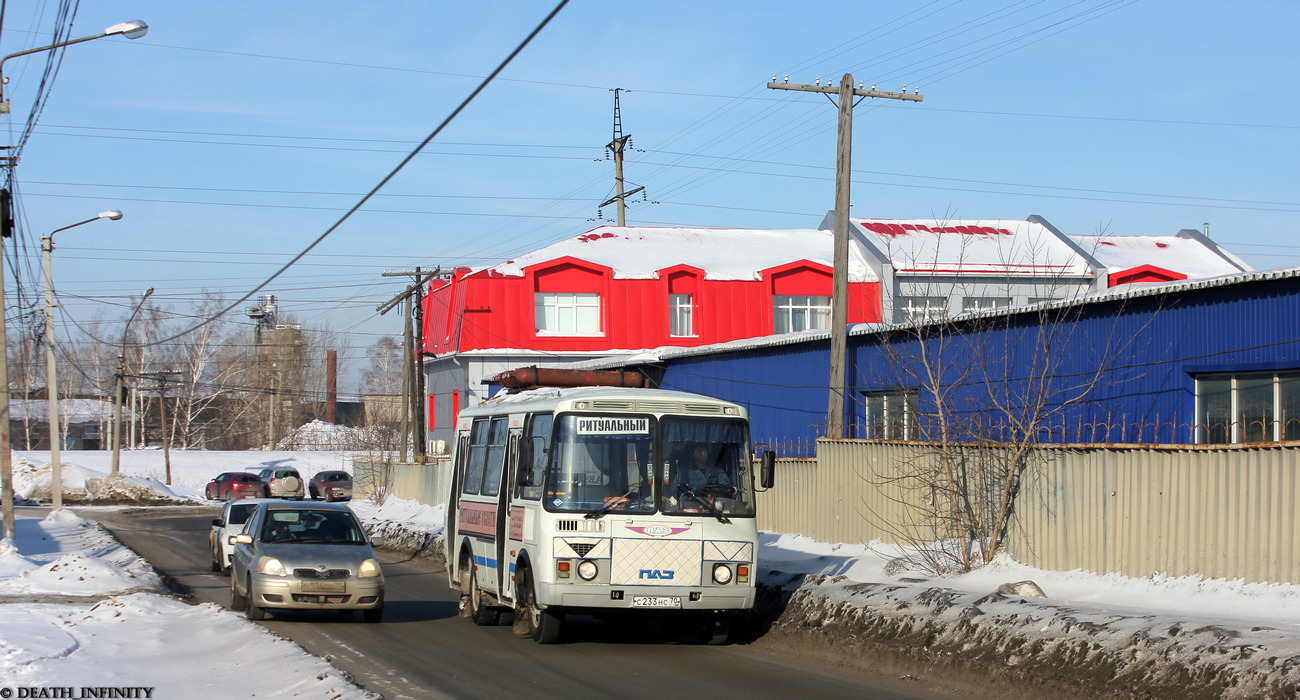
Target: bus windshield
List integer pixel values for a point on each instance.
(637, 464)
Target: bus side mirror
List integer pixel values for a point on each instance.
(767, 471)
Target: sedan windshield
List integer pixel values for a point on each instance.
(318, 527)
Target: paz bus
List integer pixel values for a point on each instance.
(577, 501)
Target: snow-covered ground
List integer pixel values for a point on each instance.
(80, 609)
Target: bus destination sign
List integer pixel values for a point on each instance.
(613, 426)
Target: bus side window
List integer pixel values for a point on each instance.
(538, 437)
(477, 456)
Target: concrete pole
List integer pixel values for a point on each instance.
(51, 380)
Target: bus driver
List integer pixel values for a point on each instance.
(698, 472)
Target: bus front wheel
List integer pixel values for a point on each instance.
(544, 626)
(482, 616)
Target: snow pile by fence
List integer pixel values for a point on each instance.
(1034, 640)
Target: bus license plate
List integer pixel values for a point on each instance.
(643, 601)
(323, 587)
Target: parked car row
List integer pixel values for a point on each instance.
(279, 482)
(297, 555)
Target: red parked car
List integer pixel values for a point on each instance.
(331, 485)
(232, 485)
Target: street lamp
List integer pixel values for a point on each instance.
(131, 30)
(51, 379)
(119, 386)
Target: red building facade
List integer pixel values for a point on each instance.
(627, 307)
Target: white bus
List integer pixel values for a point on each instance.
(600, 500)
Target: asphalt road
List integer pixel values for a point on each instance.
(423, 650)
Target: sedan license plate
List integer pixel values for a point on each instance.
(644, 601)
(323, 587)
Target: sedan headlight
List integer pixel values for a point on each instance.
(271, 567)
(368, 569)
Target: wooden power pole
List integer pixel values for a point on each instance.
(840, 283)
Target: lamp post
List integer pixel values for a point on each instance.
(131, 30)
(119, 385)
(51, 377)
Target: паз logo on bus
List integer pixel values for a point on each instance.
(658, 530)
(663, 574)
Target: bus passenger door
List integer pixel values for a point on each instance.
(504, 531)
(450, 536)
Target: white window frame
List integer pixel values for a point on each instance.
(681, 315)
(882, 419)
(1239, 427)
(812, 312)
(910, 308)
(985, 303)
(567, 314)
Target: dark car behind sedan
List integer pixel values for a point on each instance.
(331, 485)
(231, 485)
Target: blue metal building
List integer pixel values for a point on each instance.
(1205, 361)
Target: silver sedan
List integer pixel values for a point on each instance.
(305, 556)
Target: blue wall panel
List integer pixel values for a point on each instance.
(1135, 357)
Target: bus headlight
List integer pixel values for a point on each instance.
(721, 574)
(587, 570)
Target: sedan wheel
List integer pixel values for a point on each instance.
(237, 602)
(251, 608)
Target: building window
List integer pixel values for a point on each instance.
(890, 416)
(1248, 407)
(984, 303)
(568, 313)
(801, 313)
(680, 316)
(919, 308)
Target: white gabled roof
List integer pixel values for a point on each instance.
(723, 253)
(972, 247)
(1175, 253)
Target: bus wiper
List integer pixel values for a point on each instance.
(708, 505)
(613, 502)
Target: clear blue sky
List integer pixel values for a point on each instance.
(235, 133)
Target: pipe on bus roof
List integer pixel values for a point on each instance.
(534, 376)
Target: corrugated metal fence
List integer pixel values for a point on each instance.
(1221, 512)
(426, 483)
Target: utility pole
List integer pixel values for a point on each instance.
(617, 146)
(161, 378)
(840, 282)
(413, 399)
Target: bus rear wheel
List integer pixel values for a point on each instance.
(544, 626)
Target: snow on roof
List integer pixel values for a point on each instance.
(1125, 291)
(1001, 247)
(1176, 253)
(723, 253)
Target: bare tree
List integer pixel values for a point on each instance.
(977, 391)
(384, 373)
